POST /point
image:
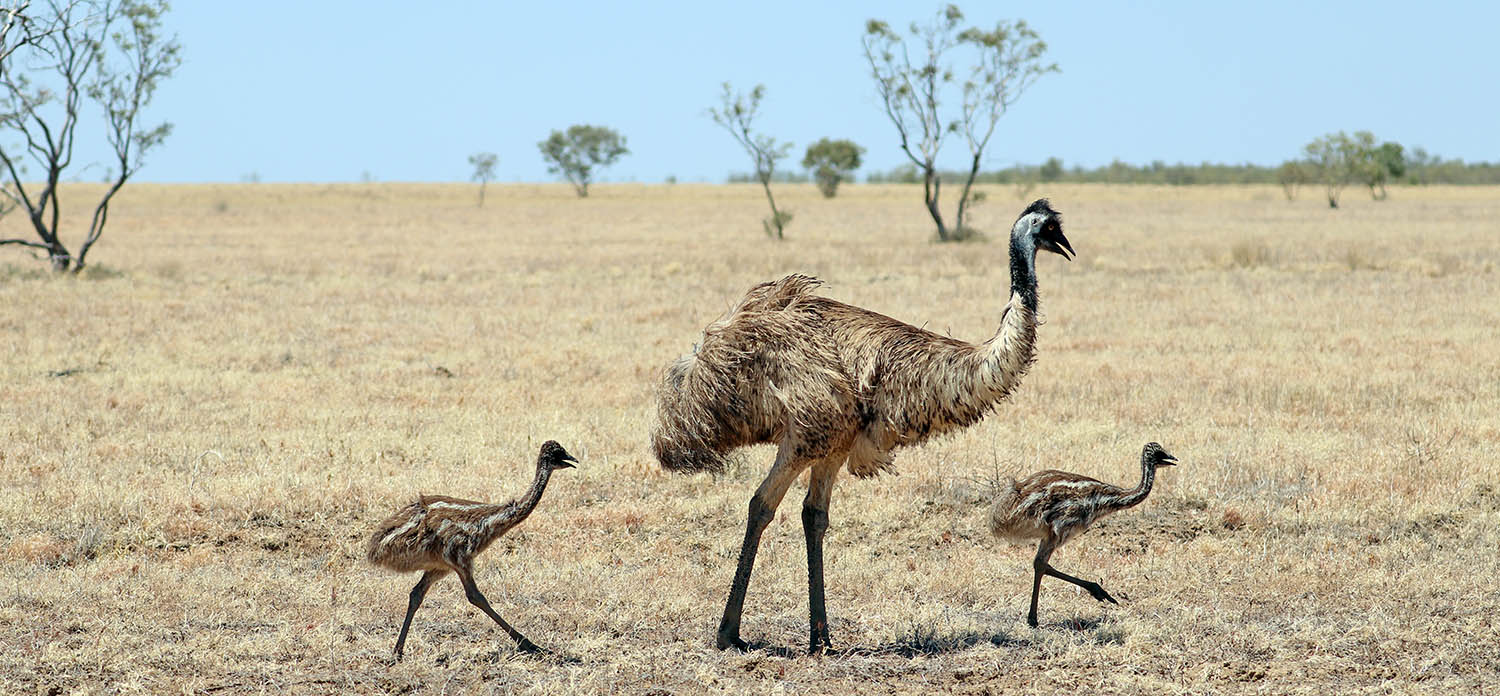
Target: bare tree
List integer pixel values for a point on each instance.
(736, 113)
(484, 170)
(1007, 60)
(108, 52)
(16, 28)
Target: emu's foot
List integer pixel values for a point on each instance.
(819, 641)
(727, 641)
(1031, 620)
(1099, 593)
(528, 647)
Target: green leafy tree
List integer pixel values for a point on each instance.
(1335, 159)
(736, 113)
(484, 170)
(832, 162)
(110, 54)
(1382, 163)
(580, 150)
(1291, 175)
(918, 92)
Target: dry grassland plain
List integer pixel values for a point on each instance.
(200, 432)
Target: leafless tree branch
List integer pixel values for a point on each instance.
(108, 52)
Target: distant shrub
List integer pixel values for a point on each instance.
(832, 161)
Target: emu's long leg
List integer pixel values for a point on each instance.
(1093, 587)
(1042, 567)
(1039, 568)
(466, 576)
(417, 593)
(814, 524)
(762, 508)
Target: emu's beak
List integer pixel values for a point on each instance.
(567, 463)
(1051, 239)
(1168, 460)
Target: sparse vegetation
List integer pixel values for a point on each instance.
(1335, 158)
(1339, 159)
(1004, 62)
(832, 162)
(1291, 175)
(1347, 420)
(736, 113)
(484, 170)
(1380, 164)
(579, 151)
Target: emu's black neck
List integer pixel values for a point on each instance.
(1023, 269)
(522, 506)
(534, 494)
(1139, 493)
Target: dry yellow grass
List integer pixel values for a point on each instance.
(261, 372)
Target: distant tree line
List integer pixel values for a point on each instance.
(1420, 168)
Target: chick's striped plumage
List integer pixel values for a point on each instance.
(437, 531)
(1051, 503)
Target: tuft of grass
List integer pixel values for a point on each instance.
(1251, 253)
(1355, 258)
(96, 271)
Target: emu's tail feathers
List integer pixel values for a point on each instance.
(776, 295)
(382, 543)
(1006, 520)
(707, 403)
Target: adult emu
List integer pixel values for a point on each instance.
(833, 385)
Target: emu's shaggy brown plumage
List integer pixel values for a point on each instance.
(1054, 506)
(440, 535)
(836, 386)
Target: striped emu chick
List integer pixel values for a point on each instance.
(1054, 506)
(439, 535)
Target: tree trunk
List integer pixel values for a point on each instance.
(963, 198)
(59, 255)
(765, 183)
(931, 187)
(60, 259)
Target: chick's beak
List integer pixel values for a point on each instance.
(1168, 460)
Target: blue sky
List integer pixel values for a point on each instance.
(336, 91)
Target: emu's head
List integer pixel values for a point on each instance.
(554, 457)
(1041, 227)
(1156, 456)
